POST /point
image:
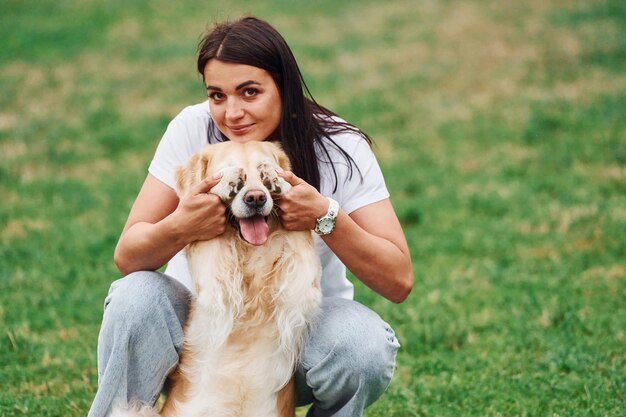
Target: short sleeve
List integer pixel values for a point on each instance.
(185, 135)
(358, 184)
(367, 185)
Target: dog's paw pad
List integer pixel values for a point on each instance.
(232, 182)
(275, 184)
(279, 185)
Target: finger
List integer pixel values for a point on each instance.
(206, 184)
(290, 177)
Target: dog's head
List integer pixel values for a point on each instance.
(248, 187)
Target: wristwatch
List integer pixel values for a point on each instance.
(326, 224)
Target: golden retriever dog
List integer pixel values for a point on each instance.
(257, 288)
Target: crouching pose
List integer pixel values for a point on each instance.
(256, 93)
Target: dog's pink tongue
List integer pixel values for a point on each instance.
(254, 229)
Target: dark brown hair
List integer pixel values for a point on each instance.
(252, 41)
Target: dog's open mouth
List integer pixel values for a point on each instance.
(254, 230)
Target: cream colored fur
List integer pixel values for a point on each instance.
(254, 303)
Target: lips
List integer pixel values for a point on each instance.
(240, 129)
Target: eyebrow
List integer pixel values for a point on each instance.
(239, 87)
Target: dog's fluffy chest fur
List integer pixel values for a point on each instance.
(256, 296)
(248, 322)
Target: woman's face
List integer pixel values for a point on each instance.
(244, 101)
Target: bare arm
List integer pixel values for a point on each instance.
(160, 225)
(369, 241)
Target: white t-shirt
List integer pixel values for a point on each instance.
(187, 134)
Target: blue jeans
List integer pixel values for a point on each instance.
(346, 363)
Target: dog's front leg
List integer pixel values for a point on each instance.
(217, 280)
(198, 381)
(298, 297)
(286, 401)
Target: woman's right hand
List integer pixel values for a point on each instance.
(160, 224)
(200, 215)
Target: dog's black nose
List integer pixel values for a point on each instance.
(255, 198)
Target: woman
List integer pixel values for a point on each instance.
(256, 92)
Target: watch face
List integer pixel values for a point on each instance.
(326, 225)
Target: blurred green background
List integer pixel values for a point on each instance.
(501, 130)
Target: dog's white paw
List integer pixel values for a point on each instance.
(134, 409)
(275, 184)
(231, 183)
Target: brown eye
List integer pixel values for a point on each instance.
(250, 92)
(216, 96)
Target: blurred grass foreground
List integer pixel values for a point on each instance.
(501, 129)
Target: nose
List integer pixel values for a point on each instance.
(255, 198)
(234, 110)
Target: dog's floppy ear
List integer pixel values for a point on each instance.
(281, 157)
(194, 171)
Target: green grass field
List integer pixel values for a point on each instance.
(501, 129)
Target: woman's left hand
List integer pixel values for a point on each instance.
(301, 206)
(369, 241)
